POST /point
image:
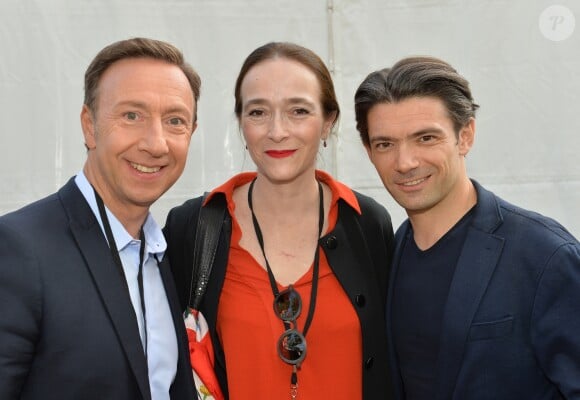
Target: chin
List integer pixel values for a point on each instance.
(282, 176)
(410, 205)
(147, 197)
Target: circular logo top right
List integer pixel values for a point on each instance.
(557, 23)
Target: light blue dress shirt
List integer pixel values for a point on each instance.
(162, 351)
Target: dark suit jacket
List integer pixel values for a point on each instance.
(359, 251)
(511, 325)
(67, 326)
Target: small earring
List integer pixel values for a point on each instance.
(246, 147)
(324, 143)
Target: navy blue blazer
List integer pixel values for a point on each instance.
(511, 325)
(67, 326)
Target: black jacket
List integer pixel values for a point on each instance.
(359, 251)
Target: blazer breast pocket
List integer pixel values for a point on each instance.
(491, 329)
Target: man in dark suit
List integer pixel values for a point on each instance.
(88, 309)
(483, 295)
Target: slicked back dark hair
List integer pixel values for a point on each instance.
(136, 48)
(415, 77)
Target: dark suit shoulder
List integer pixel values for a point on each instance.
(180, 218)
(372, 210)
(33, 213)
(536, 225)
(184, 217)
(179, 231)
(187, 208)
(497, 216)
(40, 226)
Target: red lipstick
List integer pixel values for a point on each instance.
(280, 153)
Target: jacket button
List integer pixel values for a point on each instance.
(332, 242)
(369, 362)
(360, 300)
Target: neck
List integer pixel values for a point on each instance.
(430, 225)
(130, 216)
(291, 198)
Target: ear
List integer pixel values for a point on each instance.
(328, 124)
(369, 151)
(195, 116)
(466, 137)
(88, 126)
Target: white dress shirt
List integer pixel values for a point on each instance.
(161, 349)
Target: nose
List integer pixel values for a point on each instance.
(278, 129)
(154, 140)
(406, 158)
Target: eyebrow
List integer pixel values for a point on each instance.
(381, 138)
(291, 100)
(416, 134)
(132, 103)
(143, 106)
(424, 131)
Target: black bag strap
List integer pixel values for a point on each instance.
(209, 225)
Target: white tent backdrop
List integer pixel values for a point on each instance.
(528, 130)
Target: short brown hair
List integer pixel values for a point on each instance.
(301, 55)
(415, 77)
(136, 48)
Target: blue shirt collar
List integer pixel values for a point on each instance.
(154, 239)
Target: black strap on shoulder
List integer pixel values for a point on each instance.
(209, 225)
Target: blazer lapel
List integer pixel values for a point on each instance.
(108, 280)
(478, 259)
(170, 291)
(400, 235)
(183, 383)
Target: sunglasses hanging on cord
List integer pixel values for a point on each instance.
(291, 345)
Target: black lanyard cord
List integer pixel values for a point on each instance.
(119, 263)
(315, 268)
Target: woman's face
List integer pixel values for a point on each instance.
(282, 119)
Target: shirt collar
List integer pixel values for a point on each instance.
(154, 239)
(339, 190)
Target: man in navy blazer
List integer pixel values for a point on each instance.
(88, 308)
(484, 296)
